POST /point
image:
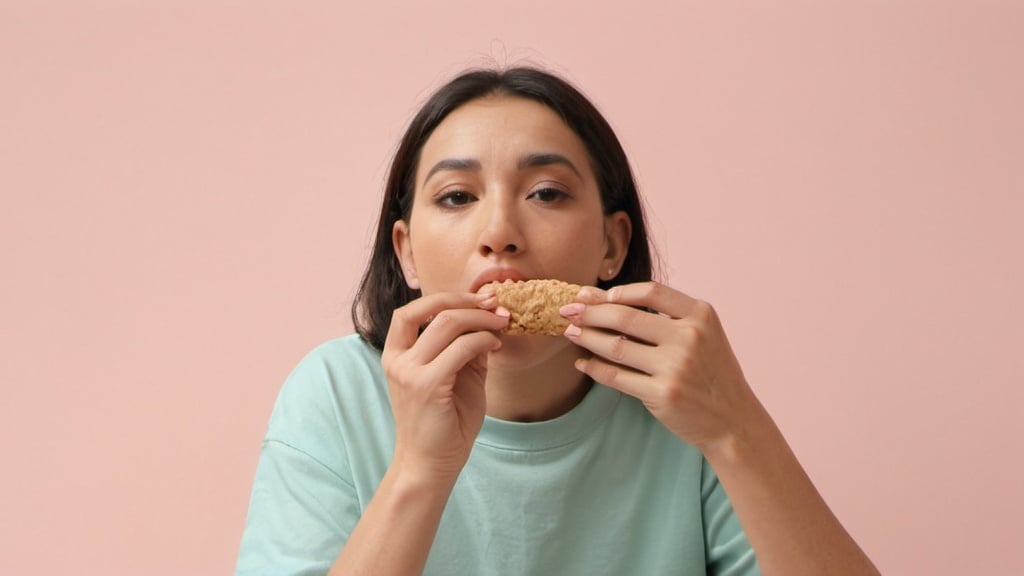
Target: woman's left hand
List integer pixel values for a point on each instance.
(676, 360)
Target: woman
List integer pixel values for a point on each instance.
(435, 443)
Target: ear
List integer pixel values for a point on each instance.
(618, 230)
(403, 250)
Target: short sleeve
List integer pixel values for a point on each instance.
(303, 505)
(300, 515)
(727, 549)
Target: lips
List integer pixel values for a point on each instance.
(496, 275)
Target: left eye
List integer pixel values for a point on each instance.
(547, 195)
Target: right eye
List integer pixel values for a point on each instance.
(455, 198)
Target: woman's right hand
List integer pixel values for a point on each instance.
(436, 379)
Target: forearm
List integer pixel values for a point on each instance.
(788, 523)
(397, 529)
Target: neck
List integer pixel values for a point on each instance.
(536, 392)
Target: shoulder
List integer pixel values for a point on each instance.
(344, 353)
(337, 363)
(333, 375)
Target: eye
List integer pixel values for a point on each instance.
(454, 199)
(549, 195)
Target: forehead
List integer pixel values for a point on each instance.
(500, 128)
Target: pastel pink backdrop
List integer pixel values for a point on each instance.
(189, 190)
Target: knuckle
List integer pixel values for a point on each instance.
(704, 310)
(618, 349)
(675, 366)
(692, 335)
(394, 370)
(688, 364)
(401, 315)
(680, 365)
(672, 395)
(630, 320)
(603, 372)
(462, 346)
(651, 289)
(445, 320)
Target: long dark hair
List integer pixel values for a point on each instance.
(383, 287)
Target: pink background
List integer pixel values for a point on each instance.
(189, 190)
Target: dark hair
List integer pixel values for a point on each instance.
(383, 287)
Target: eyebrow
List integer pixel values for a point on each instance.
(462, 164)
(529, 161)
(547, 159)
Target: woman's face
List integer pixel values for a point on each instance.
(504, 189)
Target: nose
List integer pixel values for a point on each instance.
(501, 231)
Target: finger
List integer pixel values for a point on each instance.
(651, 295)
(615, 348)
(449, 325)
(407, 320)
(623, 379)
(635, 323)
(469, 388)
(462, 351)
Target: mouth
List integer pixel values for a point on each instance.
(495, 275)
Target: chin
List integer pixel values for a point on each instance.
(520, 352)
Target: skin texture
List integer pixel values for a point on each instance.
(547, 222)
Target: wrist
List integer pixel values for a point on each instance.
(750, 437)
(409, 475)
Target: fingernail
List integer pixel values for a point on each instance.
(502, 311)
(572, 331)
(590, 293)
(574, 309)
(490, 302)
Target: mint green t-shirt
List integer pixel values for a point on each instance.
(602, 489)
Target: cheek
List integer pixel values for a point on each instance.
(440, 254)
(576, 248)
(587, 235)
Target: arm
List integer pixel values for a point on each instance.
(402, 518)
(678, 362)
(788, 523)
(436, 383)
